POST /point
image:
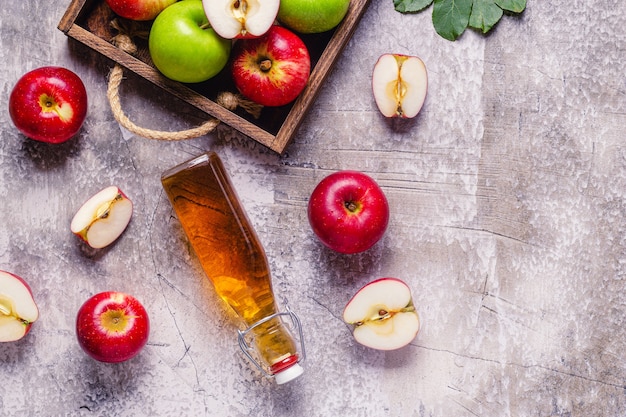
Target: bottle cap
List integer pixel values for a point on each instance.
(288, 374)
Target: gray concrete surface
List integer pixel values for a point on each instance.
(508, 222)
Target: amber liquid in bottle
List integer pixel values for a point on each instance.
(230, 253)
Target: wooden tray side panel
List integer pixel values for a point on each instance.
(321, 71)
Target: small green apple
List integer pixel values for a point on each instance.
(184, 47)
(312, 16)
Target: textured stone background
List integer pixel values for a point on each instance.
(508, 222)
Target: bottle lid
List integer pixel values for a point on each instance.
(288, 374)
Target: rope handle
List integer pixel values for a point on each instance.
(227, 100)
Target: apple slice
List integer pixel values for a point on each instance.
(399, 83)
(103, 218)
(18, 310)
(237, 19)
(383, 315)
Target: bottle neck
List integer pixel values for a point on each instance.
(272, 347)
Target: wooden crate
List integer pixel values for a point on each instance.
(88, 22)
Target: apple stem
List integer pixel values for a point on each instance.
(205, 26)
(351, 206)
(408, 308)
(265, 65)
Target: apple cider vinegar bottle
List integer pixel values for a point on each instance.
(234, 260)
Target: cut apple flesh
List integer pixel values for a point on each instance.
(389, 333)
(103, 218)
(241, 18)
(17, 308)
(383, 315)
(399, 83)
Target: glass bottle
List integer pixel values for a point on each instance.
(234, 260)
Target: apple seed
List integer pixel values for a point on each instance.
(383, 314)
(265, 65)
(240, 8)
(105, 208)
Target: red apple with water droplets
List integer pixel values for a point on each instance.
(112, 326)
(271, 70)
(348, 211)
(49, 104)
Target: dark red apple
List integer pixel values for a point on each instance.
(112, 326)
(49, 104)
(271, 70)
(139, 9)
(348, 211)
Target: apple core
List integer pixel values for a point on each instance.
(50, 105)
(115, 321)
(5, 306)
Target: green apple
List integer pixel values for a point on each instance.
(184, 47)
(312, 16)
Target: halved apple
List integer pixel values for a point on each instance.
(18, 310)
(399, 83)
(103, 218)
(237, 19)
(383, 315)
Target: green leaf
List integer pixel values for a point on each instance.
(451, 17)
(515, 6)
(485, 14)
(411, 6)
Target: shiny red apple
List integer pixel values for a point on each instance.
(49, 104)
(112, 326)
(271, 70)
(139, 9)
(348, 211)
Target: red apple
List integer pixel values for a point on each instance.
(271, 70)
(348, 211)
(139, 9)
(18, 310)
(112, 326)
(49, 104)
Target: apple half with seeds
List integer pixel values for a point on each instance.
(399, 83)
(102, 218)
(383, 315)
(240, 19)
(18, 310)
